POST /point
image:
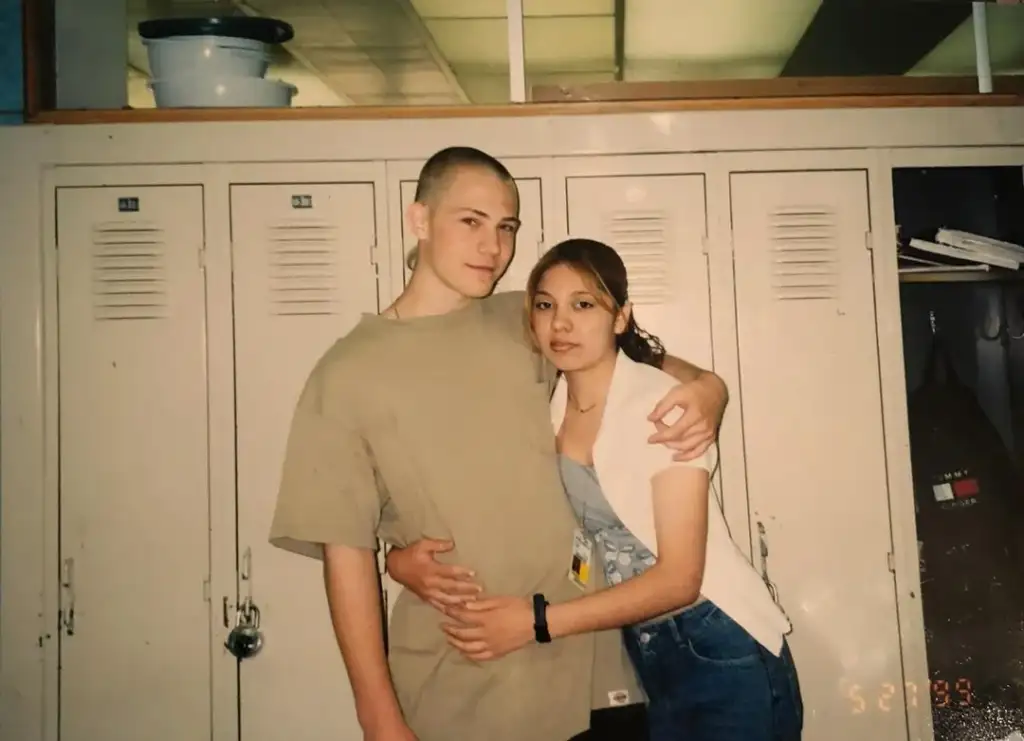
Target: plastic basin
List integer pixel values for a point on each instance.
(200, 91)
(215, 56)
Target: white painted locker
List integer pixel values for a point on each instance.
(657, 224)
(814, 440)
(528, 243)
(135, 640)
(303, 276)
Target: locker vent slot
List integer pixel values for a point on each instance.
(640, 239)
(129, 271)
(303, 269)
(805, 254)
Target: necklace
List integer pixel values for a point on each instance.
(578, 408)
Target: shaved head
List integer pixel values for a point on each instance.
(438, 171)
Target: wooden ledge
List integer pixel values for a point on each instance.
(777, 87)
(583, 108)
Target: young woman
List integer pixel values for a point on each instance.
(703, 631)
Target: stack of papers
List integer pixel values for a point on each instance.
(957, 250)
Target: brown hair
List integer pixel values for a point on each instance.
(602, 265)
(440, 167)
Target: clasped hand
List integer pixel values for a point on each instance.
(481, 628)
(489, 628)
(486, 628)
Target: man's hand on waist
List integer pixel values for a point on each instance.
(416, 568)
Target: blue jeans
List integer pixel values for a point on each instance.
(707, 679)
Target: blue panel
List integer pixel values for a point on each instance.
(12, 91)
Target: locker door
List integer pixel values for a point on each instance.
(657, 224)
(814, 440)
(303, 275)
(528, 243)
(134, 501)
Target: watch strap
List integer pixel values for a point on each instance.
(540, 619)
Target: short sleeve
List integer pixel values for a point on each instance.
(328, 492)
(508, 310)
(708, 460)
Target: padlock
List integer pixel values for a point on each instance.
(245, 640)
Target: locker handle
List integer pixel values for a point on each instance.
(68, 583)
(763, 542)
(762, 534)
(245, 573)
(246, 570)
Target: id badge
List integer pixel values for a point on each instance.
(582, 557)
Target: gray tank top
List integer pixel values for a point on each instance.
(622, 555)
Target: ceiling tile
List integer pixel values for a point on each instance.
(430, 9)
(550, 42)
(732, 34)
(357, 83)
(486, 89)
(481, 41)
(498, 8)
(286, 9)
(541, 8)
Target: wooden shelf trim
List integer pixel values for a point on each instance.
(589, 108)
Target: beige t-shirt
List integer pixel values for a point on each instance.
(439, 427)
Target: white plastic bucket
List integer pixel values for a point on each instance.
(200, 91)
(217, 56)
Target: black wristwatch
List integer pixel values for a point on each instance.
(540, 619)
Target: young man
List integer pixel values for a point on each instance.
(431, 421)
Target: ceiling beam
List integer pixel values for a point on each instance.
(872, 39)
(620, 40)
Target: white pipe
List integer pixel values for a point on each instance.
(982, 63)
(516, 52)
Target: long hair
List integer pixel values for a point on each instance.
(602, 265)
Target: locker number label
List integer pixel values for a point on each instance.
(128, 205)
(302, 201)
